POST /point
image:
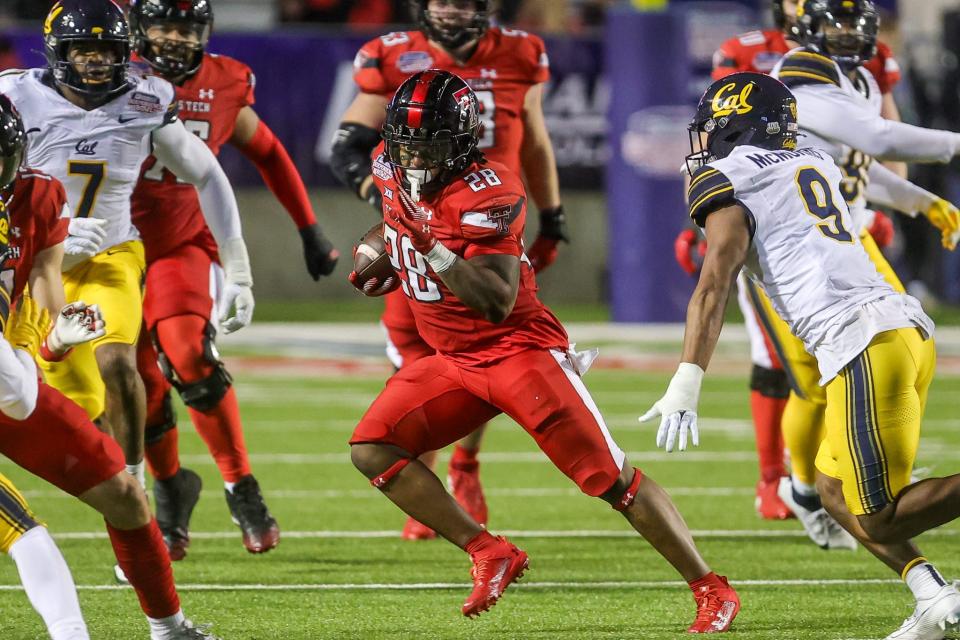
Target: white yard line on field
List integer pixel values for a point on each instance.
(549, 533)
(423, 586)
(532, 492)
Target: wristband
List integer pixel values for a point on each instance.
(49, 355)
(440, 258)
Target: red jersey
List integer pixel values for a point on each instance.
(482, 212)
(504, 66)
(166, 211)
(38, 219)
(760, 51)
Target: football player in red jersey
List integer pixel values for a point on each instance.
(759, 51)
(453, 224)
(507, 69)
(215, 95)
(41, 429)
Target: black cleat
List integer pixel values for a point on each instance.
(260, 530)
(176, 497)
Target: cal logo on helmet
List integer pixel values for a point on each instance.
(726, 102)
(48, 23)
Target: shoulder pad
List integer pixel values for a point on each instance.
(709, 190)
(804, 67)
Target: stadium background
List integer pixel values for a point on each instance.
(616, 109)
(645, 85)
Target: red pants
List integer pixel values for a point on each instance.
(404, 344)
(434, 402)
(181, 282)
(59, 444)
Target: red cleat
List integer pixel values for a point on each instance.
(768, 503)
(717, 606)
(463, 479)
(416, 530)
(493, 571)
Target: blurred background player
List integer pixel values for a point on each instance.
(92, 123)
(215, 94)
(777, 211)
(46, 433)
(778, 413)
(840, 111)
(507, 69)
(497, 349)
(44, 573)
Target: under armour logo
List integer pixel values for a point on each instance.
(15, 232)
(86, 148)
(206, 94)
(488, 73)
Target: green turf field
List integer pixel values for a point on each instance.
(342, 571)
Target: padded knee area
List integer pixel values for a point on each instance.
(771, 383)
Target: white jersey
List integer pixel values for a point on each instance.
(804, 251)
(96, 154)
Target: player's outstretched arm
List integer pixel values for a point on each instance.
(543, 183)
(889, 189)
(191, 160)
(258, 143)
(728, 238)
(867, 132)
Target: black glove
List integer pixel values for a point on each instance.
(318, 251)
(553, 224)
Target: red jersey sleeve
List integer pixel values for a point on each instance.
(492, 216)
(51, 208)
(368, 68)
(538, 60)
(725, 60)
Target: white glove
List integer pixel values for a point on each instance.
(237, 294)
(678, 408)
(75, 324)
(86, 236)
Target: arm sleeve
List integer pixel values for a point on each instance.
(494, 228)
(191, 160)
(709, 190)
(280, 174)
(888, 189)
(827, 112)
(18, 382)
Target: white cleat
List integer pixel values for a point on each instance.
(933, 619)
(119, 575)
(189, 631)
(825, 532)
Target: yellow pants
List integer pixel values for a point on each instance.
(874, 409)
(15, 516)
(803, 417)
(113, 280)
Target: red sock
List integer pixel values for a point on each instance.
(464, 459)
(767, 412)
(163, 456)
(483, 541)
(706, 581)
(221, 429)
(144, 560)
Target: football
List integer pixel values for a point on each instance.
(370, 257)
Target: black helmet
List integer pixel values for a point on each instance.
(13, 141)
(435, 118)
(171, 58)
(451, 36)
(850, 48)
(789, 27)
(72, 21)
(743, 108)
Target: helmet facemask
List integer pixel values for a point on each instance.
(850, 40)
(173, 48)
(92, 67)
(425, 163)
(453, 23)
